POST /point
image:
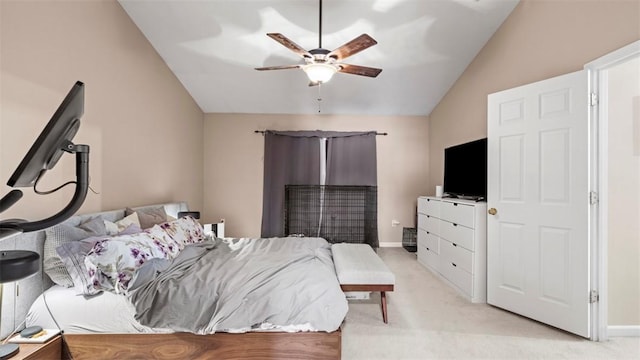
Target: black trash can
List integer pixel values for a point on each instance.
(409, 239)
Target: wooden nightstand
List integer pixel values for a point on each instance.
(51, 350)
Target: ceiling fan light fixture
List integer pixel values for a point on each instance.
(319, 72)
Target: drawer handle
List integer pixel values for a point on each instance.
(428, 249)
(454, 244)
(454, 264)
(454, 224)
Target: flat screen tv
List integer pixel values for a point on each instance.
(53, 141)
(465, 170)
(47, 149)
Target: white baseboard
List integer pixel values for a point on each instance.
(623, 330)
(390, 244)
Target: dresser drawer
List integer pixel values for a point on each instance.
(429, 206)
(453, 254)
(460, 214)
(457, 234)
(429, 224)
(428, 258)
(428, 240)
(460, 278)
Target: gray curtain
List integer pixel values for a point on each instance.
(351, 159)
(290, 157)
(293, 158)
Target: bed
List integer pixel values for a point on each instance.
(240, 308)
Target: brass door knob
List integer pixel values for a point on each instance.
(493, 211)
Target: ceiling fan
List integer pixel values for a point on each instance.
(320, 64)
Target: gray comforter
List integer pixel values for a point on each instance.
(241, 284)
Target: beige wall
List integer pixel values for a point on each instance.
(539, 40)
(144, 129)
(234, 166)
(624, 193)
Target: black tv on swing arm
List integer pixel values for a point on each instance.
(51, 144)
(48, 148)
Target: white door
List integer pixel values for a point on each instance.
(538, 246)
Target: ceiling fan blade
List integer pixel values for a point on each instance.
(290, 44)
(359, 70)
(279, 67)
(353, 47)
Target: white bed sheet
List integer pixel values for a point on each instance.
(105, 313)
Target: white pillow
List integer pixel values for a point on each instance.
(114, 228)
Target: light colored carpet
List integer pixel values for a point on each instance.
(429, 320)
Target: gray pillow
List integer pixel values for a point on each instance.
(61, 234)
(72, 256)
(149, 216)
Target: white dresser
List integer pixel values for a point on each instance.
(452, 242)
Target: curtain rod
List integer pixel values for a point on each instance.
(262, 132)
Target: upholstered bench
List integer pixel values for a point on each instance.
(360, 269)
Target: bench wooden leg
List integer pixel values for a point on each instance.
(371, 287)
(383, 302)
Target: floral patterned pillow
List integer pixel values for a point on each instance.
(112, 262)
(73, 253)
(184, 231)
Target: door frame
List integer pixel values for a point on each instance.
(598, 181)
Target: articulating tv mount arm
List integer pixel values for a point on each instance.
(15, 226)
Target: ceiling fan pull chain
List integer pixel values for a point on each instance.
(319, 99)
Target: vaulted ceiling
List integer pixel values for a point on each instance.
(213, 47)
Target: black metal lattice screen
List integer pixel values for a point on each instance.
(337, 213)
